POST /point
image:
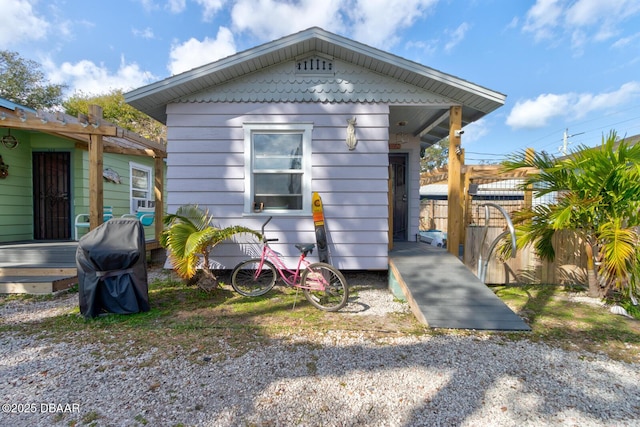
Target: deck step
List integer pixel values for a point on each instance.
(35, 284)
(44, 267)
(38, 271)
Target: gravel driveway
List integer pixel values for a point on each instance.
(332, 379)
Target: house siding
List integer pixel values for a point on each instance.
(206, 167)
(16, 206)
(16, 191)
(115, 195)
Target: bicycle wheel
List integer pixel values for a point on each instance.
(324, 287)
(247, 280)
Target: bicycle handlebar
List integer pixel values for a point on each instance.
(264, 239)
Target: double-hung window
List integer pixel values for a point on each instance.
(278, 168)
(141, 186)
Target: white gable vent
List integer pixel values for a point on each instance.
(314, 65)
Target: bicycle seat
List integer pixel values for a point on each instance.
(306, 249)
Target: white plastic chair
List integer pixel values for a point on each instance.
(82, 220)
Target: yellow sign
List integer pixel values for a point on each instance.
(316, 209)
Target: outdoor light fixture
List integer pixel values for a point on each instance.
(402, 137)
(10, 141)
(351, 140)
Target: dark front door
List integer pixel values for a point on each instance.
(399, 196)
(51, 191)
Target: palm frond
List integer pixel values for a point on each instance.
(190, 236)
(619, 248)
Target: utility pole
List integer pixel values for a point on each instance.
(565, 141)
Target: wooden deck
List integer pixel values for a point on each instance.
(443, 293)
(38, 267)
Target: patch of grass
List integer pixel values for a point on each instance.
(8, 298)
(90, 417)
(559, 320)
(142, 420)
(185, 321)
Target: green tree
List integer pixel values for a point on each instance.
(598, 197)
(118, 112)
(435, 156)
(23, 82)
(189, 237)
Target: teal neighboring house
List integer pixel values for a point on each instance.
(46, 164)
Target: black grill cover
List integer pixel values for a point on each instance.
(112, 269)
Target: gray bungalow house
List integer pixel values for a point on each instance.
(255, 134)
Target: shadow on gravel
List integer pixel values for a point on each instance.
(217, 359)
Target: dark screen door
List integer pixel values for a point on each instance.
(51, 201)
(398, 170)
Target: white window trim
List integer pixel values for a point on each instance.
(305, 129)
(150, 198)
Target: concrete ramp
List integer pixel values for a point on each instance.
(443, 293)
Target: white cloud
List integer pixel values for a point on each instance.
(476, 131)
(543, 18)
(90, 78)
(376, 22)
(582, 20)
(593, 12)
(194, 53)
(19, 22)
(428, 47)
(373, 22)
(272, 19)
(536, 113)
(210, 8)
(149, 5)
(603, 17)
(457, 36)
(147, 33)
(626, 41)
(176, 6)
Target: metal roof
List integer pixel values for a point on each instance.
(10, 105)
(427, 121)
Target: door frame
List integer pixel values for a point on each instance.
(59, 228)
(391, 193)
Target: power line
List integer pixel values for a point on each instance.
(565, 140)
(578, 124)
(485, 154)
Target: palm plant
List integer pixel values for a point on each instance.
(190, 236)
(598, 197)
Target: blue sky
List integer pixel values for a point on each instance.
(563, 64)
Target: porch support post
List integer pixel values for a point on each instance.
(96, 193)
(158, 189)
(455, 217)
(466, 215)
(528, 192)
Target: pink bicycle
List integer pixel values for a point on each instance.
(323, 285)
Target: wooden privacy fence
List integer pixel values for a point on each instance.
(491, 185)
(568, 268)
(433, 213)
